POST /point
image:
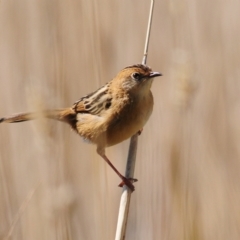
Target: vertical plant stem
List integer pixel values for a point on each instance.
(130, 167)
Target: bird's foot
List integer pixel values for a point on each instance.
(140, 132)
(128, 182)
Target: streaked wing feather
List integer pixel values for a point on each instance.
(79, 107)
(95, 102)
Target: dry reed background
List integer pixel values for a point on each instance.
(54, 186)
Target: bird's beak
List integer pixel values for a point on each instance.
(155, 74)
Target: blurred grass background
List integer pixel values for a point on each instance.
(54, 186)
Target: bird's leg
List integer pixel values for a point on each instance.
(125, 181)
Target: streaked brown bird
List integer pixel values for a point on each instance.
(111, 114)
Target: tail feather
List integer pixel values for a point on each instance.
(21, 117)
(65, 115)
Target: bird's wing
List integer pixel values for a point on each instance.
(94, 103)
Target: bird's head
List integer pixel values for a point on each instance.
(137, 77)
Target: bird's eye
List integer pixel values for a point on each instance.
(136, 76)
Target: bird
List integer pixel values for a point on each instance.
(111, 114)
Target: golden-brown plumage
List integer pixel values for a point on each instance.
(109, 115)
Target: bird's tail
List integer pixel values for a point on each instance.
(64, 115)
(21, 117)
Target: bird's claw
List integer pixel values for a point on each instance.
(140, 132)
(128, 182)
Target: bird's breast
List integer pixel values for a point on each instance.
(129, 119)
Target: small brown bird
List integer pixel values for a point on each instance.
(109, 115)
